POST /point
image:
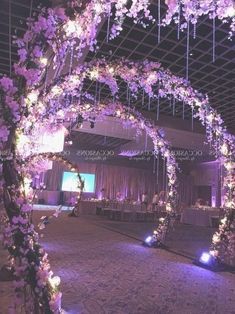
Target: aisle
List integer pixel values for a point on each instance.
(105, 272)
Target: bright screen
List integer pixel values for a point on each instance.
(70, 182)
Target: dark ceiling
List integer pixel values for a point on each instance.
(216, 79)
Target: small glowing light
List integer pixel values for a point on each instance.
(118, 113)
(198, 103)
(166, 154)
(94, 74)
(215, 238)
(55, 281)
(111, 70)
(168, 207)
(33, 96)
(224, 149)
(152, 76)
(155, 232)
(229, 165)
(148, 239)
(205, 258)
(56, 90)
(230, 11)
(98, 8)
(72, 27)
(43, 61)
(210, 117)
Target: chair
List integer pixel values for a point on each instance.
(126, 215)
(115, 214)
(140, 216)
(106, 211)
(149, 216)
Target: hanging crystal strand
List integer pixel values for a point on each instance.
(194, 30)
(159, 22)
(158, 106)
(187, 53)
(99, 90)
(129, 98)
(108, 26)
(154, 164)
(9, 35)
(221, 183)
(146, 141)
(157, 170)
(127, 92)
(213, 43)
(166, 177)
(143, 99)
(71, 58)
(192, 118)
(96, 92)
(149, 104)
(173, 105)
(183, 109)
(179, 12)
(46, 76)
(163, 174)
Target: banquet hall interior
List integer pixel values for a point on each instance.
(122, 156)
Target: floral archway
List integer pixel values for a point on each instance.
(27, 103)
(150, 79)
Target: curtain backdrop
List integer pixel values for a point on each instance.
(129, 182)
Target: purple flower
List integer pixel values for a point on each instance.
(22, 53)
(37, 52)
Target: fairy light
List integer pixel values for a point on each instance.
(33, 96)
(224, 149)
(43, 61)
(72, 28)
(230, 11)
(54, 282)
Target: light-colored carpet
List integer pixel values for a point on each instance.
(104, 271)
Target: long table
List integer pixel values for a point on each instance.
(199, 217)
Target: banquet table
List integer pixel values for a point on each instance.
(199, 216)
(88, 207)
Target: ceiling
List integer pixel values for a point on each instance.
(216, 79)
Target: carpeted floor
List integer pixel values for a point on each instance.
(105, 269)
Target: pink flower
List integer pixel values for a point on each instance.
(6, 83)
(55, 303)
(22, 53)
(4, 133)
(28, 36)
(26, 208)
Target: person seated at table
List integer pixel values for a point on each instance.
(155, 201)
(199, 202)
(162, 198)
(119, 196)
(103, 194)
(145, 199)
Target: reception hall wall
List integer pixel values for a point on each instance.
(131, 182)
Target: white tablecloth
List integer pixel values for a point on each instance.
(89, 207)
(199, 217)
